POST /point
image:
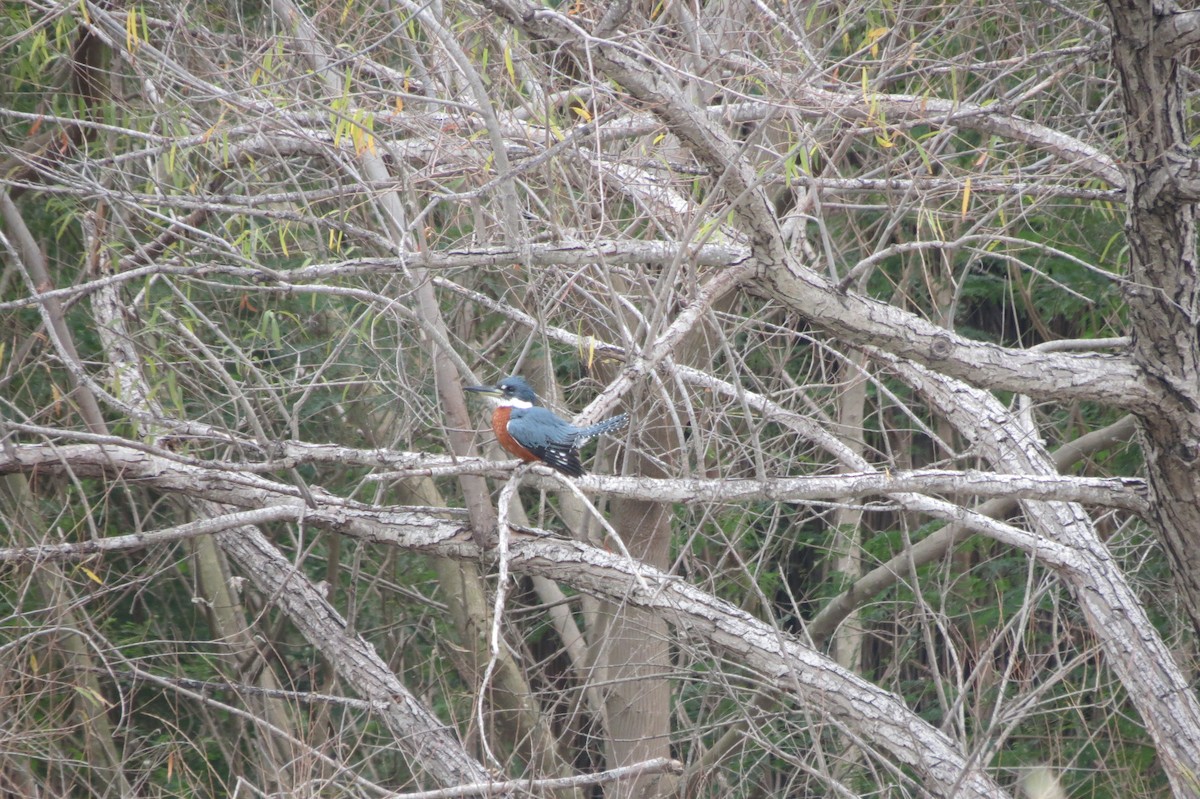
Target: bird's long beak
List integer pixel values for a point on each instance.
(487, 391)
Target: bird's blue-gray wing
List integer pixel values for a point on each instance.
(548, 437)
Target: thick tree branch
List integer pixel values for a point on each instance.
(1061, 377)
(93, 547)
(993, 119)
(1117, 492)
(1177, 31)
(1175, 180)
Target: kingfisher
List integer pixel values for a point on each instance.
(533, 433)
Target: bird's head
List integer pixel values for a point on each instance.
(512, 391)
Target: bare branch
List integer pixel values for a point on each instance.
(657, 766)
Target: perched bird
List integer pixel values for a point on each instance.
(533, 433)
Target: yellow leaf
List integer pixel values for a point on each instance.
(131, 34)
(208, 134)
(883, 141)
(95, 578)
(966, 203)
(873, 37)
(582, 111)
(508, 64)
(93, 695)
(33, 662)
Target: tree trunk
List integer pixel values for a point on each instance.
(1163, 293)
(634, 656)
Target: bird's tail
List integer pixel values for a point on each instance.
(607, 426)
